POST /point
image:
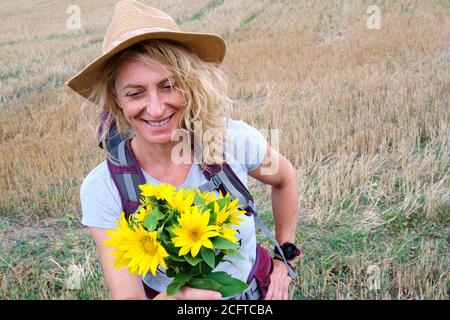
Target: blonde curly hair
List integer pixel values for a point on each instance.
(204, 87)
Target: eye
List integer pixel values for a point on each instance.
(169, 86)
(134, 94)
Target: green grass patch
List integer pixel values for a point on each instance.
(248, 20)
(196, 16)
(39, 262)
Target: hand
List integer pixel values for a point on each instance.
(188, 293)
(279, 282)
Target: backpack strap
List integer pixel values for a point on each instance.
(113, 137)
(222, 177)
(127, 176)
(214, 183)
(261, 226)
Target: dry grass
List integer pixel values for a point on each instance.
(363, 114)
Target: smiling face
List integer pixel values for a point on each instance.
(149, 100)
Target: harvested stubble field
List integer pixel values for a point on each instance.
(363, 115)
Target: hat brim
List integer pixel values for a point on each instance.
(209, 47)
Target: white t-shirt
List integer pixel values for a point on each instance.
(101, 205)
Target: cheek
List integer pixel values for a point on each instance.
(129, 110)
(177, 99)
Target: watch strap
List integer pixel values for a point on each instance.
(266, 231)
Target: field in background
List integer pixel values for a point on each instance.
(364, 116)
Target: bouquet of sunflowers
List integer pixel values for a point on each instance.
(184, 231)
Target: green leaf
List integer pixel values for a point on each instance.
(169, 216)
(161, 229)
(221, 243)
(170, 272)
(230, 262)
(202, 283)
(179, 281)
(191, 260)
(157, 214)
(219, 256)
(234, 254)
(171, 248)
(223, 202)
(150, 222)
(175, 257)
(210, 206)
(170, 228)
(212, 218)
(229, 285)
(205, 268)
(173, 253)
(209, 256)
(198, 201)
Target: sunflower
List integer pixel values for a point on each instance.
(118, 237)
(145, 252)
(143, 213)
(138, 249)
(235, 212)
(226, 232)
(160, 192)
(223, 217)
(230, 213)
(194, 231)
(207, 196)
(181, 200)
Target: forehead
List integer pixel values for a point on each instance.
(132, 71)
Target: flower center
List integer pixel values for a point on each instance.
(148, 245)
(195, 235)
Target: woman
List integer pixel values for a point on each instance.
(153, 79)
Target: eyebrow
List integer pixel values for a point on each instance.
(132, 85)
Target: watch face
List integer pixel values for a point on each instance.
(290, 251)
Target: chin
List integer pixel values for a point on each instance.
(158, 140)
(162, 138)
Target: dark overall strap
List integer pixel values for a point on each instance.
(127, 176)
(113, 138)
(222, 177)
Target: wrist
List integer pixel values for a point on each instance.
(278, 261)
(289, 251)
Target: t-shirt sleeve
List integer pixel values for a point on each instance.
(247, 146)
(100, 201)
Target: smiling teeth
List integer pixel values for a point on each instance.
(158, 124)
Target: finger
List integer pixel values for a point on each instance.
(279, 293)
(286, 294)
(269, 293)
(188, 293)
(286, 289)
(274, 292)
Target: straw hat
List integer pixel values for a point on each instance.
(133, 22)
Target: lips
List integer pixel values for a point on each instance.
(158, 123)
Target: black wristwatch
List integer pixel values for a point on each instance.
(290, 251)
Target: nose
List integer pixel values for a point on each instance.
(154, 106)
